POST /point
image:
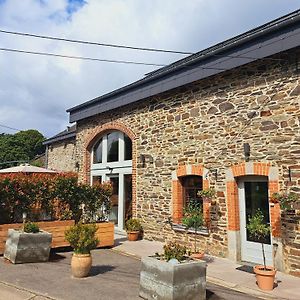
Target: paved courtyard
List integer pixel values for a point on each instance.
(113, 276)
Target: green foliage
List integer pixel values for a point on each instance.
(193, 218)
(133, 225)
(30, 227)
(174, 250)
(82, 237)
(78, 200)
(58, 196)
(208, 194)
(22, 146)
(286, 200)
(192, 215)
(257, 227)
(259, 230)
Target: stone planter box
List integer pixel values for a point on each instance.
(161, 280)
(22, 247)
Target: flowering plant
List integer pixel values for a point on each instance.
(286, 200)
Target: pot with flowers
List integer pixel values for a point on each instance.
(287, 201)
(82, 238)
(259, 230)
(208, 195)
(193, 219)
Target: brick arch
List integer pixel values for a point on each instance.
(93, 136)
(100, 130)
(177, 190)
(251, 168)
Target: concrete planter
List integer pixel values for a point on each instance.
(165, 281)
(22, 247)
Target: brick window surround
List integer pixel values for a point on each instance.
(177, 191)
(92, 138)
(251, 168)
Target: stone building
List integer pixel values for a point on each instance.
(225, 118)
(60, 151)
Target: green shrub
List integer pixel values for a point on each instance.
(133, 225)
(193, 218)
(82, 237)
(259, 230)
(174, 250)
(30, 227)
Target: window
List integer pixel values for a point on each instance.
(97, 151)
(115, 146)
(127, 148)
(191, 186)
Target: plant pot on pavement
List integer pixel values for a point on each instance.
(133, 235)
(133, 228)
(198, 255)
(81, 265)
(265, 277)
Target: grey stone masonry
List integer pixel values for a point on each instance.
(162, 280)
(22, 247)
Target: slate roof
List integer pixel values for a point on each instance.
(69, 133)
(272, 38)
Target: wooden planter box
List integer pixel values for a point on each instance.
(105, 233)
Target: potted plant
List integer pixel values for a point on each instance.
(30, 244)
(133, 228)
(208, 195)
(259, 230)
(172, 275)
(287, 201)
(82, 238)
(193, 219)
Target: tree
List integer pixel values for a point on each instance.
(22, 146)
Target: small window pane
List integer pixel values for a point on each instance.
(96, 180)
(128, 148)
(113, 146)
(97, 152)
(191, 186)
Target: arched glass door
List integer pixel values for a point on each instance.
(112, 161)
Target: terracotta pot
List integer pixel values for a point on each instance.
(198, 255)
(133, 235)
(265, 278)
(81, 265)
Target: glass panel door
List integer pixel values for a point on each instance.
(253, 195)
(256, 197)
(114, 179)
(128, 196)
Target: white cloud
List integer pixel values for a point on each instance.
(35, 91)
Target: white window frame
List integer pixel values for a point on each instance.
(117, 168)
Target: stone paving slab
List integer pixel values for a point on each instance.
(113, 276)
(221, 271)
(9, 292)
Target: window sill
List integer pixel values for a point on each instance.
(180, 228)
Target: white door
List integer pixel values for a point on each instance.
(253, 195)
(111, 160)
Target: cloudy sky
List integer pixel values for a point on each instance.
(35, 91)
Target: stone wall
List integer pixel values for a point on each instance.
(206, 124)
(291, 241)
(61, 156)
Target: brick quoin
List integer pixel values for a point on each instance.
(177, 192)
(259, 169)
(91, 139)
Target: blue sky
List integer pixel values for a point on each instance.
(35, 91)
